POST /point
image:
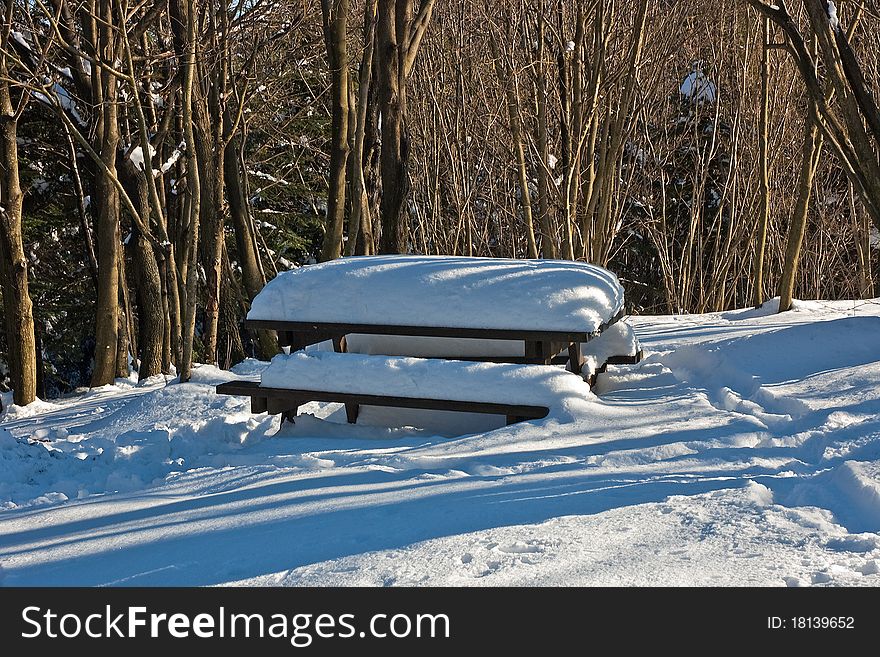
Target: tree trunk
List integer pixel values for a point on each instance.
(395, 145)
(124, 326)
(107, 224)
(367, 244)
(193, 194)
(252, 274)
(811, 150)
(548, 234)
(17, 308)
(335, 15)
(399, 33)
(505, 76)
(151, 311)
(360, 224)
(563, 64)
(212, 207)
(764, 179)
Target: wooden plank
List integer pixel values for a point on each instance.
(625, 360)
(283, 399)
(283, 404)
(301, 396)
(243, 388)
(328, 329)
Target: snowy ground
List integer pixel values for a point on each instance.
(744, 450)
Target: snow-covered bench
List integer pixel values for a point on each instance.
(518, 392)
(490, 328)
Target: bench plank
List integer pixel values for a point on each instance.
(284, 400)
(325, 330)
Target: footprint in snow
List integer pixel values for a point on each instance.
(853, 543)
(871, 567)
(821, 578)
(522, 548)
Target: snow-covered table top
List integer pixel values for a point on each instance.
(445, 291)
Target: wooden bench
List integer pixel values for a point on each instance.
(286, 402)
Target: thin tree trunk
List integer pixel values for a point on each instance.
(252, 274)
(194, 193)
(17, 307)
(764, 168)
(548, 234)
(107, 224)
(368, 245)
(361, 221)
(335, 15)
(151, 313)
(395, 145)
(85, 227)
(810, 152)
(563, 64)
(124, 326)
(505, 75)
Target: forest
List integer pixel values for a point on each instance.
(161, 160)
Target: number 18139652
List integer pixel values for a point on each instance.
(811, 623)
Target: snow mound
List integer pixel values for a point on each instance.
(35, 408)
(859, 483)
(619, 339)
(52, 464)
(483, 293)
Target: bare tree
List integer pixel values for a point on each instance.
(399, 33)
(335, 19)
(17, 308)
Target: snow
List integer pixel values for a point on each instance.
(484, 293)
(267, 176)
(832, 16)
(743, 450)
(498, 383)
(619, 339)
(697, 87)
(20, 39)
(137, 156)
(63, 100)
(172, 159)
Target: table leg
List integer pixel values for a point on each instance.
(575, 357)
(351, 412)
(339, 345)
(538, 352)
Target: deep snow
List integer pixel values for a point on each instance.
(447, 291)
(744, 449)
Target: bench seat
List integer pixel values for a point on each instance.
(513, 390)
(286, 402)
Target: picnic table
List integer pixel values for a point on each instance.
(548, 306)
(453, 309)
